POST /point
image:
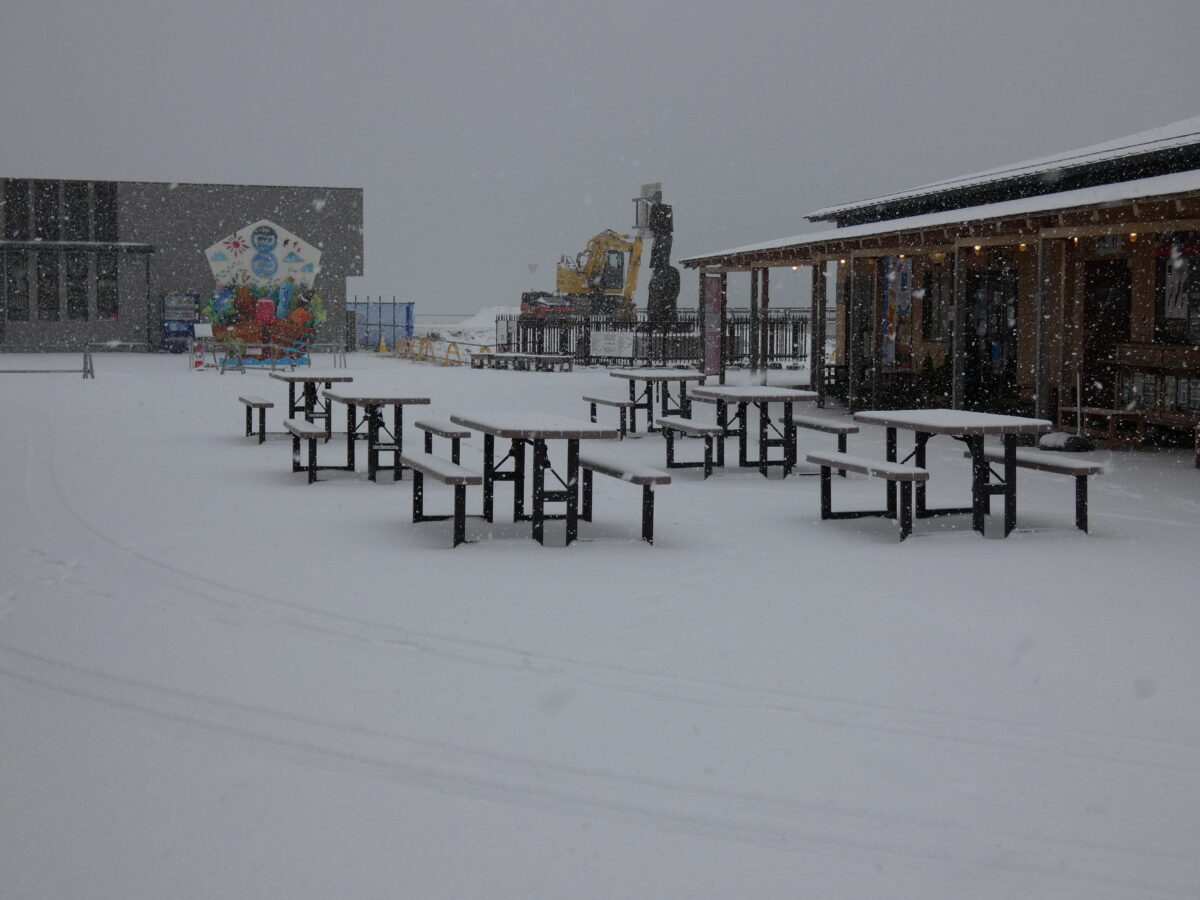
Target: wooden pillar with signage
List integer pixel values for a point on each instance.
(712, 321)
(816, 356)
(764, 344)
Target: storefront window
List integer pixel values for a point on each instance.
(106, 285)
(937, 310)
(47, 286)
(1177, 300)
(77, 285)
(16, 285)
(16, 210)
(76, 220)
(106, 211)
(45, 210)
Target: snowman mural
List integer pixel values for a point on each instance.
(264, 278)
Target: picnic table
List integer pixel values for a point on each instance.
(537, 431)
(373, 405)
(761, 396)
(658, 381)
(971, 428)
(309, 405)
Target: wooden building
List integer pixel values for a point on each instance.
(1067, 281)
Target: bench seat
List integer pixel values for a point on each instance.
(252, 402)
(827, 425)
(903, 475)
(309, 431)
(447, 472)
(446, 429)
(623, 406)
(1056, 463)
(865, 465)
(619, 466)
(691, 428)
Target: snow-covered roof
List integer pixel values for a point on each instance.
(1183, 133)
(1158, 186)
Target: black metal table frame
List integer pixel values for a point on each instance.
(373, 416)
(308, 406)
(492, 472)
(668, 405)
(982, 486)
(786, 439)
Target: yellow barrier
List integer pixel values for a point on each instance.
(422, 350)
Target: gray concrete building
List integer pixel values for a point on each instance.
(86, 261)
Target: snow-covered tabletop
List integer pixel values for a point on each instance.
(682, 375)
(953, 421)
(753, 393)
(310, 377)
(533, 426)
(374, 398)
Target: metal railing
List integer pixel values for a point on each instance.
(675, 343)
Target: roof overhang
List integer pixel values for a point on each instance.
(1026, 215)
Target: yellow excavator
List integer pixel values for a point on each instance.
(600, 280)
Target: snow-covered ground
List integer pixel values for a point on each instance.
(217, 681)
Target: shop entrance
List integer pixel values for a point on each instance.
(990, 333)
(1107, 292)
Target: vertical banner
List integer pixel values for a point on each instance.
(711, 301)
(897, 302)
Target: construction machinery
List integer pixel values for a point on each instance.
(600, 280)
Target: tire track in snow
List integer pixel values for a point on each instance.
(773, 822)
(989, 734)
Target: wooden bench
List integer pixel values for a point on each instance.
(828, 426)
(622, 405)
(692, 429)
(901, 474)
(1120, 427)
(447, 473)
(446, 429)
(311, 432)
(613, 465)
(1058, 464)
(252, 403)
(526, 362)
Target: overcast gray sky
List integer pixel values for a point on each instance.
(487, 136)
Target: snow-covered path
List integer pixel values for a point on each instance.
(218, 681)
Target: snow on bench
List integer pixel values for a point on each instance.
(1058, 464)
(310, 431)
(622, 405)
(692, 429)
(446, 472)
(620, 466)
(252, 402)
(446, 429)
(902, 474)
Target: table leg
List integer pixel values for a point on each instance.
(518, 455)
(723, 421)
(373, 417)
(919, 459)
(292, 407)
(351, 434)
(891, 485)
(327, 412)
(540, 464)
(633, 398)
(489, 471)
(743, 421)
(685, 403)
(1010, 483)
(764, 421)
(572, 490)
(789, 437)
(979, 482)
(398, 441)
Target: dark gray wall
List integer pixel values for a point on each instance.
(181, 221)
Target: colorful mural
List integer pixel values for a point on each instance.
(264, 286)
